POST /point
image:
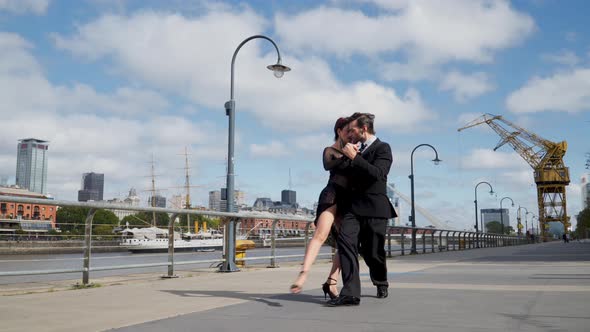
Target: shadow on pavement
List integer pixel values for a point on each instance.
(262, 298)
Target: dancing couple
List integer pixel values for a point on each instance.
(354, 209)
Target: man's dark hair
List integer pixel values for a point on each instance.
(364, 119)
(340, 124)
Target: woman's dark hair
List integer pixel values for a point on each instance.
(364, 119)
(340, 124)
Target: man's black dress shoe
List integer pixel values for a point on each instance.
(344, 300)
(382, 292)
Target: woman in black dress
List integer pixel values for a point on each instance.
(333, 195)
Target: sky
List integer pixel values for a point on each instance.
(113, 83)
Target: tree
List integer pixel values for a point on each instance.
(144, 219)
(72, 219)
(494, 227)
(583, 223)
(509, 230)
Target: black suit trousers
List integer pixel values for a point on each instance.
(368, 234)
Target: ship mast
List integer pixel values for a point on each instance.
(153, 199)
(188, 190)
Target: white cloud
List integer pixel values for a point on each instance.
(274, 149)
(411, 71)
(466, 86)
(313, 145)
(22, 83)
(567, 91)
(465, 118)
(37, 7)
(481, 159)
(166, 51)
(428, 32)
(91, 131)
(565, 57)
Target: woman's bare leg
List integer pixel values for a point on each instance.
(334, 274)
(323, 227)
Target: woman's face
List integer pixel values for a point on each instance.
(343, 134)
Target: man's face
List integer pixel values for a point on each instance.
(355, 134)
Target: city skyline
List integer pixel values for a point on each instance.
(86, 77)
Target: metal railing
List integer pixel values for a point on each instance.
(398, 238)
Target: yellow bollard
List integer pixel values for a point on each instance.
(241, 247)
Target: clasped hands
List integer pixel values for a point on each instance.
(350, 150)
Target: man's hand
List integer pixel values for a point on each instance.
(350, 150)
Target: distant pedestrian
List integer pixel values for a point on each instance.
(564, 237)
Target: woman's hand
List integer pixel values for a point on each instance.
(350, 150)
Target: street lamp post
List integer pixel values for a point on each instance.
(413, 216)
(476, 211)
(533, 226)
(526, 223)
(518, 217)
(230, 106)
(502, 212)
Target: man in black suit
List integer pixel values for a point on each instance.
(365, 221)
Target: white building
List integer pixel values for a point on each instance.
(132, 200)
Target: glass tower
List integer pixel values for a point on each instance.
(31, 165)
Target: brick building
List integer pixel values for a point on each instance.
(30, 216)
(261, 226)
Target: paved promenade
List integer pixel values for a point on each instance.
(542, 287)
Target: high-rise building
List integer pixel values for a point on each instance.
(31, 165)
(585, 191)
(92, 187)
(489, 215)
(288, 197)
(214, 200)
(238, 200)
(177, 202)
(157, 201)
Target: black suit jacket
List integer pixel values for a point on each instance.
(369, 182)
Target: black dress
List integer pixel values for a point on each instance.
(336, 191)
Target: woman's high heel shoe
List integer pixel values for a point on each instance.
(326, 288)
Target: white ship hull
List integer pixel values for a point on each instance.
(161, 245)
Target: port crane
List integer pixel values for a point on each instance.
(546, 158)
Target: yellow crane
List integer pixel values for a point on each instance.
(546, 159)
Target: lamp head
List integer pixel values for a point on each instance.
(436, 161)
(492, 191)
(278, 69)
